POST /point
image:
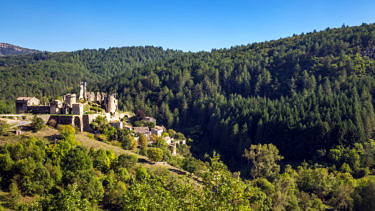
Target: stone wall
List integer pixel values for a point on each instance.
(117, 125)
(21, 107)
(45, 117)
(38, 109)
(62, 120)
(77, 109)
(74, 120)
(87, 119)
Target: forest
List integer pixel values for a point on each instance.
(309, 95)
(306, 94)
(42, 175)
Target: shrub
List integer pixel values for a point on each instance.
(143, 144)
(52, 123)
(155, 154)
(102, 137)
(37, 124)
(4, 128)
(133, 143)
(124, 174)
(14, 194)
(67, 133)
(90, 135)
(190, 164)
(141, 173)
(126, 160)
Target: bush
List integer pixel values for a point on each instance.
(52, 123)
(67, 133)
(141, 173)
(133, 143)
(102, 138)
(128, 142)
(126, 161)
(124, 174)
(91, 136)
(190, 164)
(37, 124)
(155, 154)
(143, 144)
(4, 128)
(14, 194)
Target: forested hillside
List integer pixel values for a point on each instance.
(306, 94)
(294, 116)
(53, 74)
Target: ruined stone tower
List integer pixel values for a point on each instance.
(82, 90)
(112, 103)
(70, 99)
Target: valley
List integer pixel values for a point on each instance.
(286, 124)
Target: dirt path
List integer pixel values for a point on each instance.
(16, 123)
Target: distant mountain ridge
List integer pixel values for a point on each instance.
(9, 49)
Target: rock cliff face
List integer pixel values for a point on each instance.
(8, 49)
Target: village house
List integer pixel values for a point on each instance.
(23, 102)
(143, 130)
(181, 141)
(56, 107)
(157, 130)
(117, 125)
(168, 140)
(128, 127)
(172, 147)
(149, 119)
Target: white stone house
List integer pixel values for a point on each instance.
(157, 130)
(168, 140)
(149, 119)
(143, 130)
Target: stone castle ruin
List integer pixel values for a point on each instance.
(109, 102)
(82, 111)
(69, 110)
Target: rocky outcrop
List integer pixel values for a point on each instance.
(8, 49)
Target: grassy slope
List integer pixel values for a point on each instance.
(50, 133)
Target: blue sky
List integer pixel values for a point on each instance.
(178, 24)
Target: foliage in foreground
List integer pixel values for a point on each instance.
(64, 176)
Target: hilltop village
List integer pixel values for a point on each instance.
(91, 109)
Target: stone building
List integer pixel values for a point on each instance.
(149, 119)
(172, 147)
(70, 99)
(117, 125)
(22, 104)
(112, 104)
(77, 109)
(56, 107)
(143, 130)
(82, 90)
(157, 130)
(91, 96)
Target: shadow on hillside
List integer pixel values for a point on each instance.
(53, 138)
(26, 128)
(144, 161)
(177, 171)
